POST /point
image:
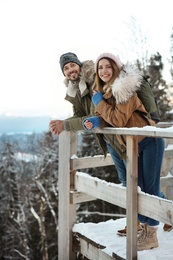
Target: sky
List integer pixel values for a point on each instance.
(34, 33)
(104, 233)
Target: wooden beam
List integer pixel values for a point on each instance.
(156, 208)
(131, 206)
(166, 181)
(101, 161)
(168, 153)
(67, 211)
(91, 249)
(144, 131)
(91, 162)
(149, 205)
(110, 192)
(78, 197)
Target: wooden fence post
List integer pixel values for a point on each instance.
(132, 183)
(67, 211)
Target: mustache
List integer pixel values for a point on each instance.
(73, 71)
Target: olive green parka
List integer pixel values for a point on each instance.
(84, 108)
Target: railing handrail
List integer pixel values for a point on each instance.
(144, 131)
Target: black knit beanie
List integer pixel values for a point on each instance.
(68, 57)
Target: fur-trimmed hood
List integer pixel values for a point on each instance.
(87, 73)
(128, 82)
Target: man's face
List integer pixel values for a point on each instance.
(71, 71)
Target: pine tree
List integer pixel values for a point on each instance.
(154, 73)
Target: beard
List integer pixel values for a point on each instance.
(74, 76)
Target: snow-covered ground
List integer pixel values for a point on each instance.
(104, 233)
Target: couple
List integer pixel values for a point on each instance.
(103, 94)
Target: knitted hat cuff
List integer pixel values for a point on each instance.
(68, 57)
(110, 56)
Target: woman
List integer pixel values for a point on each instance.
(117, 105)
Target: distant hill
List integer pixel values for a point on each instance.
(12, 124)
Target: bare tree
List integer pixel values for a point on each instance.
(29, 202)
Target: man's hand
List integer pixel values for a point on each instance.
(91, 122)
(56, 126)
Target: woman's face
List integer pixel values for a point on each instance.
(105, 70)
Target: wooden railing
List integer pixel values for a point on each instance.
(71, 182)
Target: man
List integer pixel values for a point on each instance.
(79, 78)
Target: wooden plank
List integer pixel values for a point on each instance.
(166, 184)
(164, 124)
(144, 131)
(73, 150)
(92, 250)
(110, 192)
(148, 205)
(67, 211)
(156, 208)
(100, 161)
(91, 162)
(132, 184)
(78, 197)
(168, 153)
(166, 181)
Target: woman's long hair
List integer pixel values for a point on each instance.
(98, 83)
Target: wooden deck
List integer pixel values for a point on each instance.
(77, 187)
(99, 241)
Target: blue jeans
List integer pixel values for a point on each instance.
(151, 152)
(120, 164)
